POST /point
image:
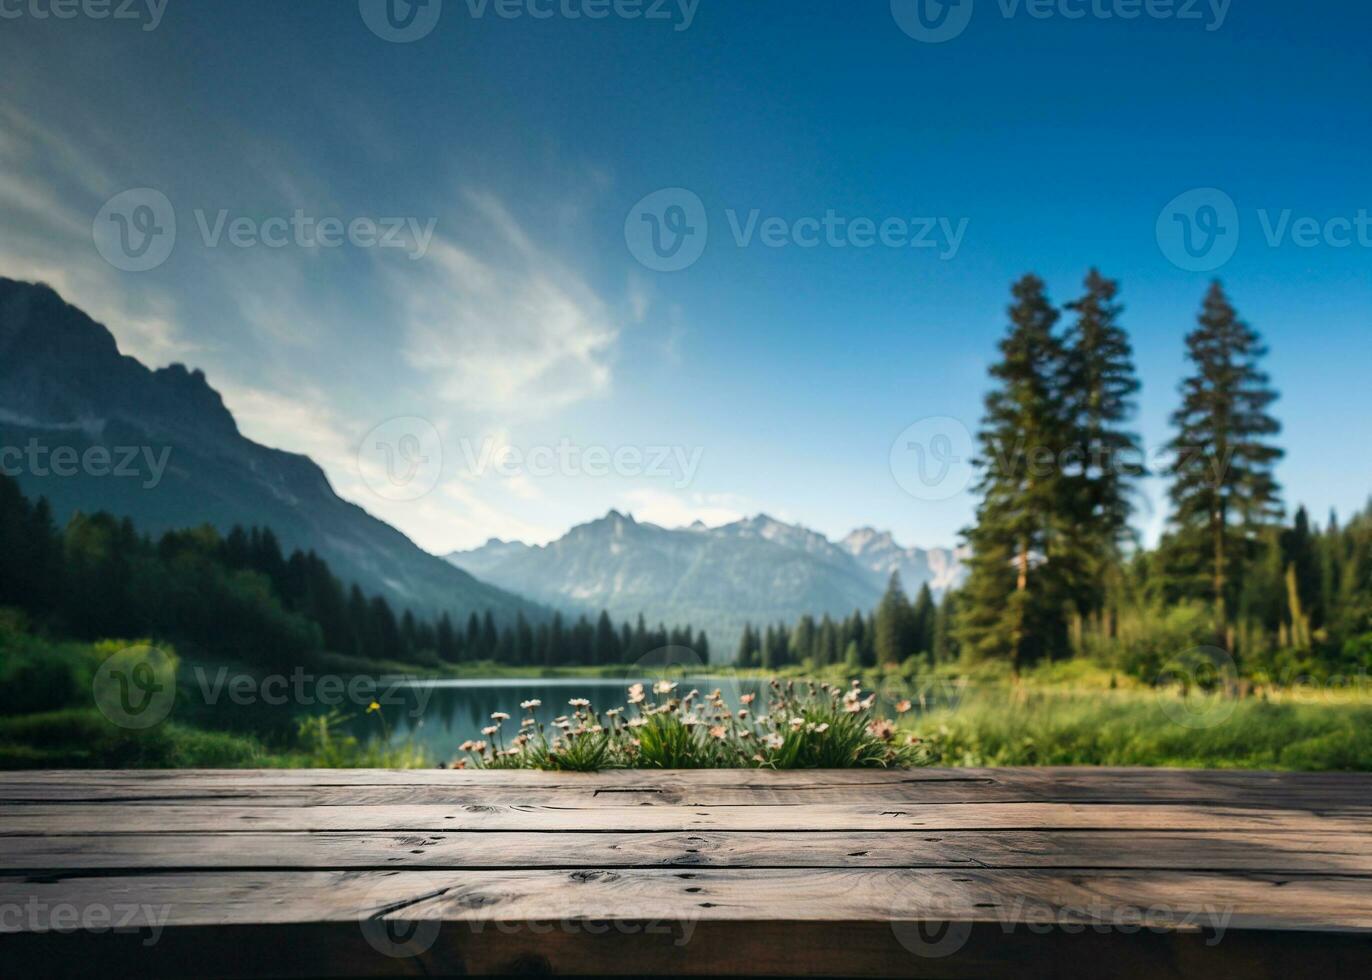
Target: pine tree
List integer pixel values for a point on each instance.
(1300, 550)
(826, 642)
(1329, 543)
(746, 646)
(945, 646)
(803, 638)
(606, 640)
(448, 650)
(1099, 387)
(922, 615)
(490, 639)
(1012, 605)
(894, 621)
(1223, 491)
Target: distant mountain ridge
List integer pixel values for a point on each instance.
(64, 382)
(877, 551)
(757, 570)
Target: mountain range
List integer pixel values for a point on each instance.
(64, 383)
(758, 570)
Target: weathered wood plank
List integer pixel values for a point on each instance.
(84, 818)
(294, 788)
(1314, 853)
(1162, 898)
(801, 873)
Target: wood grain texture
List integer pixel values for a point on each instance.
(88, 818)
(1254, 851)
(950, 873)
(711, 787)
(1156, 898)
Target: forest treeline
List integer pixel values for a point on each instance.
(896, 630)
(240, 596)
(1057, 569)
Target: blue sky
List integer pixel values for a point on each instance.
(782, 376)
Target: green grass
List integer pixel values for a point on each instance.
(81, 738)
(1045, 727)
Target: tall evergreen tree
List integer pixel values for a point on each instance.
(473, 644)
(1013, 602)
(1099, 387)
(556, 652)
(606, 640)
(922, 615)
(490, 638)
(747, 646)
(945, 646)
(1300, 552)
(448, 649)
(1223, 491)
(827, 649)
(894, 621)
(803, 638)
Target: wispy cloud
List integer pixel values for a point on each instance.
(511, 332)
(50, 191)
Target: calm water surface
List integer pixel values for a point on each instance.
(441, 714)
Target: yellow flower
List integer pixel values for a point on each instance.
(373, 707)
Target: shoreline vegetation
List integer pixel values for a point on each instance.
(798, 726)
(1065, 713)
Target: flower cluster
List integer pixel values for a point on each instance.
(805, 726)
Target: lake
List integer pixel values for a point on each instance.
(442, 714)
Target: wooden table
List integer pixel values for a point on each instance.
(942, 873)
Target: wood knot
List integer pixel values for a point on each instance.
(585, 876)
